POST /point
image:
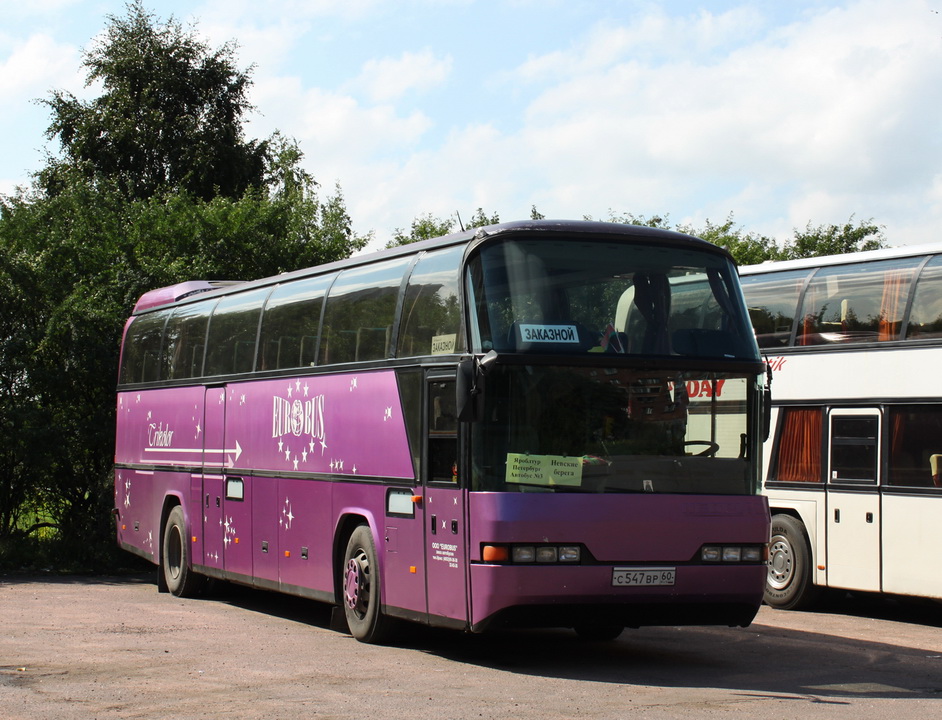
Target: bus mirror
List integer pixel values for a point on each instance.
(469, 385)
(767, 402)
(465, 390)
(767, 413)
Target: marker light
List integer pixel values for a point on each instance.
(529, 554)
(734, 553)
(523, 554)
(495, 553)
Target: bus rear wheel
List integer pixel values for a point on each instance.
(175, 558)
(789, 585)
(360, 588)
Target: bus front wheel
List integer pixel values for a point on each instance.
(789, 585)
(175, 561)
(360, 585)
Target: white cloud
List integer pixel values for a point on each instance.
(37, 62)
(828, 115)
(389, 79)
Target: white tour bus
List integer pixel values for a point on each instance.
(852, 465)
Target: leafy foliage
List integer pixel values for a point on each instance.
(169, 117)
(748, 248)
(121, 213)
(427, 226)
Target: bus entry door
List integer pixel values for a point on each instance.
(446, 555)
(853, 499)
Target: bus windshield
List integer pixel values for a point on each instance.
(576, 296)
(614, 430)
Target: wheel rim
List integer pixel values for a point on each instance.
(781, 563)
(174, 557)
(356, 587)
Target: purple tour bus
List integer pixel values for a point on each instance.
(552, 424)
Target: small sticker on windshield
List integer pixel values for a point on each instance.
(549, 333)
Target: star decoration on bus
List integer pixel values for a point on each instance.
(230, 532)
(287, 516)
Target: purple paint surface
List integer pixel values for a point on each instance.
(348, 424)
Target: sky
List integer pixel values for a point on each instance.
(780, 113)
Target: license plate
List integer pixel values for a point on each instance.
(643, 577)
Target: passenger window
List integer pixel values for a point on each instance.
(361, 306)
(185, 342)
(773, 302)
(925, 320)
(798, 453)
(290, 324)
(431, 313)
(233, 329)
(864, 302)
(140, 362)
(915, 446)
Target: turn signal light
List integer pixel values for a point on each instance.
(530, 554)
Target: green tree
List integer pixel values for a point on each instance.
(835, 239)
(426, 227)
(79, 248)
(170, 115)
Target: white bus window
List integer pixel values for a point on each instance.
(915, 446)
(925, 320)
(854, 448)
(799, 447)
(863, 302)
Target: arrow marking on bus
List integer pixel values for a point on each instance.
(209, 451)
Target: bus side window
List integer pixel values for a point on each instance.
(915, 446)
(442, 432)
(431, 313)
(142, 348)
(363, 298)
(233, 328)
(185, 342)
(291, 324)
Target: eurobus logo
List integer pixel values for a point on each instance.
(298, 417)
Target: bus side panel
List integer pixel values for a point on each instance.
(304, 534)
(138, 521)
(912, 536)
(160, 427)
(340, 425)
(263, 510)
(809, 506)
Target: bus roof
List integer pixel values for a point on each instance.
(174, 293)
(843, 259)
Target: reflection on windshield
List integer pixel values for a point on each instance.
(614, 430)
(567, 297)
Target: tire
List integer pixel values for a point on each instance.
(789, 585)
(175, 558)
(360, 589)
(599, 633)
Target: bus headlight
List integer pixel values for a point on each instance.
(734, 554)
(529, 554)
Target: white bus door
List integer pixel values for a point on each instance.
(853, 499)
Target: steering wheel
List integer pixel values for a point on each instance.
(712, 447)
